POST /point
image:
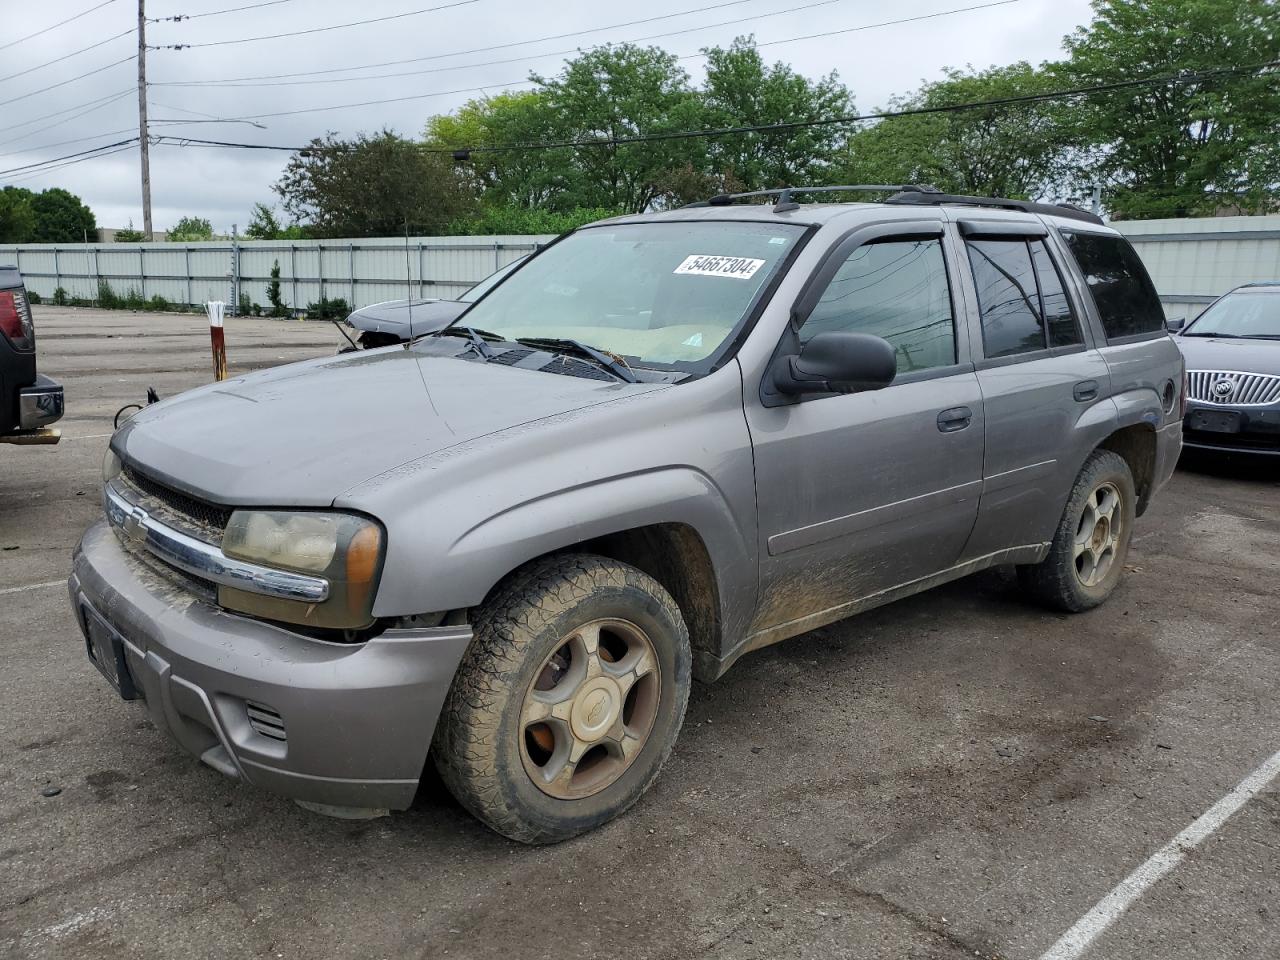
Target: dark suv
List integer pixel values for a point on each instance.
(29, 401)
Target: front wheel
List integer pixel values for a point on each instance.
(1086, 557)
(568, 700)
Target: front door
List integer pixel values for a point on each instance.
(859, 493)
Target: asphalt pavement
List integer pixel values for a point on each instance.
(955, 775)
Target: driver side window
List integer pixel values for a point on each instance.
(898, 290)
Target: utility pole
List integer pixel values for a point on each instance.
(142, 119)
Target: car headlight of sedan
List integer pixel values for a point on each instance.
(111, 466)
(345, 549)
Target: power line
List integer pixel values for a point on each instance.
(69, 163)
(1184, 77)
(216, 13)
(512, 83)
(54, 86)
(460, 53)
(90, 105)
(63, 143)
(74, 53)
(60, 23)
(300, 33)
(561, 53)
(70, 156)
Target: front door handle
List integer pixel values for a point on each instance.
(1085, 390)
(954, 418)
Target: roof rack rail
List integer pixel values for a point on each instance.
(1004, 203)
(909, 193)
(785, 203)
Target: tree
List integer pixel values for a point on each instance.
(191, 230)
(62, 217)
(615, 92)
(264, 225)
(130, 235)
(1004, 151)
(523, 178)
(372, 187)
(741, 90)
(17, 218)
(1186, 148)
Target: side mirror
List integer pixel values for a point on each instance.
(1174, 324)
(837, 362)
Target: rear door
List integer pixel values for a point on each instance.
(862, 492)
(1039, 374)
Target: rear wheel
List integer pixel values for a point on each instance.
(1086, 557)
(568, 700)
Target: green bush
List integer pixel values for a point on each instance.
(326, 309)
(133, 300)
(244, 305)
(60, 297)
(159, 303)
(517, 221)
(33, 297)
(108, 298)
(278, 308)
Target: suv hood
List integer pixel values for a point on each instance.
(1241, 356)
(302, 434)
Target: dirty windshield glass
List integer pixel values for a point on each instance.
(657, 293)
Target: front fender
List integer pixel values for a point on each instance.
(467, 568)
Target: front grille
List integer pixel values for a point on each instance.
(205, 521)
(265, 721)
(1233, 389)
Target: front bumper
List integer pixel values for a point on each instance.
(345, 725)
(1256, 428)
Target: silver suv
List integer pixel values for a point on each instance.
(662, 442)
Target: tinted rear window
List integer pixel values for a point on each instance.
(1126, 299)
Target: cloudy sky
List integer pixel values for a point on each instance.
(453, 58)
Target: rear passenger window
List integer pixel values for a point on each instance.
(897, 290)
(1020, 294)
(1007, 297)
(1123, 292)
(1059, 321)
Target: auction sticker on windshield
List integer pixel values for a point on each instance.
(703, 265)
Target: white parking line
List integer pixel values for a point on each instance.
(1076, 941)
(33, 586)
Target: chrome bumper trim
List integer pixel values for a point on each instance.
(40, 404)
(205, 560)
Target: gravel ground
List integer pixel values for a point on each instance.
(955, 775)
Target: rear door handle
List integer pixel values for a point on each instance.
(1085, 390)
(954, 418)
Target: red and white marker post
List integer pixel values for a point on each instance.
(218, 338)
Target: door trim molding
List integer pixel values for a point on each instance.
(807, 536)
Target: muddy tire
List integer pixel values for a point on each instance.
(568, 700)
(1087, 555)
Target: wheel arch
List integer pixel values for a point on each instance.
(1136, 444)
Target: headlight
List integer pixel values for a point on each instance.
(344, 549)
(110, 466)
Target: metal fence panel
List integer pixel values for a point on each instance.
(1192, 261)
(357, 271)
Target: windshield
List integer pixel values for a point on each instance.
(489, 282)
(1246, 313)
(666, 294)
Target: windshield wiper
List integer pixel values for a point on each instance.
(1223, 336)
(567, 346)
(479, 338)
